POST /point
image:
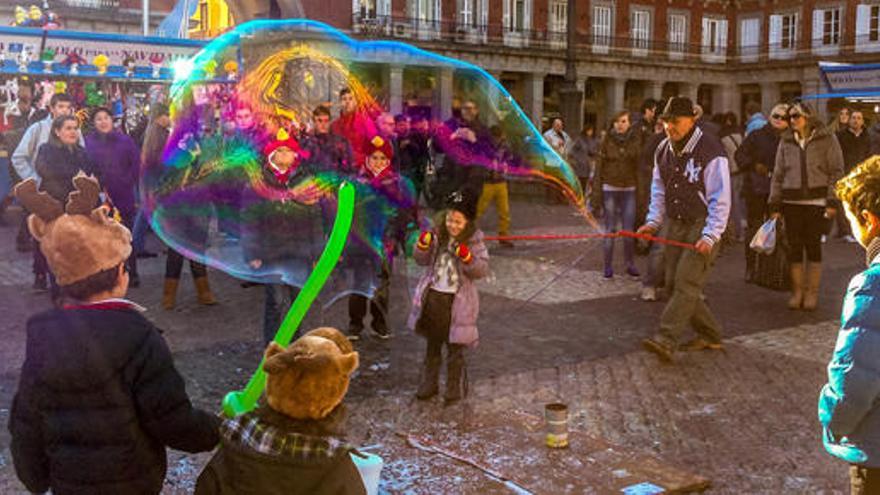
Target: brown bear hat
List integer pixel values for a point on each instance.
(309, 378)
(78, 239)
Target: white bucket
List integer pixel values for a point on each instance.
(370, 468)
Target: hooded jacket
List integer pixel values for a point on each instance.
(116, 160)
(848, 408)
(806, 173)
(98, 401)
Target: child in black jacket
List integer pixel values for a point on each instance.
(99, 398)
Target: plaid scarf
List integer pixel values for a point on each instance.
(249, 431)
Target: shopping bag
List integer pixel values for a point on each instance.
(764, 240)
(773, 271)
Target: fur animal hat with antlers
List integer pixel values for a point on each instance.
(78, 239)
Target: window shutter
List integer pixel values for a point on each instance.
(863, 23)
(706, 42)
(722, 37)
(527, 16)
(484, 14)
(818, 24)
(775, 39)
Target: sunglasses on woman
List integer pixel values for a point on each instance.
(778, 116)
(793, 116)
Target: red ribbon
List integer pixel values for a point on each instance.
(612, 235)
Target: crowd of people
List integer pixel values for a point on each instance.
(666, 171)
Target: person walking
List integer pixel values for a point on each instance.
(808, 163)
(690, 192)
(155, 138)
(556, 136)
(583, 154)
(731, 139)
(756, 158)
(614, 190)
(117, 163)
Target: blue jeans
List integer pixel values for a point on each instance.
(139, 231)
(620, 208)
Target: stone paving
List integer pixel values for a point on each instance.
(744, 418)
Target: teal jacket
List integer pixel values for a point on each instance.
(848, 407)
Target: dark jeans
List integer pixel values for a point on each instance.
(756, 215)
(357, 304)
(174, 266)
(139, 231)
(864, 480)
(279, 298)
(804, 227)
(128, 219)
(620, 208)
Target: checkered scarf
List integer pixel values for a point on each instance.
(248, 430)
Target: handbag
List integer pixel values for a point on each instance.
(773, 270)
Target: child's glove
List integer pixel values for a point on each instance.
(425, 240)
(464, 253)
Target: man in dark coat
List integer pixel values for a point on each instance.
(856, 145)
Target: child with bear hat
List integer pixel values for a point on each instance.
(99, 398)
(292, 443)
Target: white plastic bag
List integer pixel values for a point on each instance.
(765, 238)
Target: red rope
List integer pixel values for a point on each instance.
(612, 235)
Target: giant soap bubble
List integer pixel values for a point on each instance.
(251, 172)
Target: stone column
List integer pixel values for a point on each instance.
(810, 85)
(394, 75)
(726, 98)
(444, 92)
(534, 97)
(769, 95)
(689, 90)
(494, 95)
(614, 94)
(654, 89)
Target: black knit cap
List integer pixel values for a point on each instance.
(465, 201)
(679, 106)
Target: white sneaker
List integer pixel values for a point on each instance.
(648, 294)
(824, 239)
(850, 239)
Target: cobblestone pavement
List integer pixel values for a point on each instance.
(551, 329)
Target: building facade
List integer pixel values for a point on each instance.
(721, 53)
(97, 16)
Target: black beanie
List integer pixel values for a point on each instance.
(465, 201)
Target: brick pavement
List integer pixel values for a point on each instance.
(746, 419)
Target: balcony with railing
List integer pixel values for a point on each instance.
(451, 33)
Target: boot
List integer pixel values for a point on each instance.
(811, 294)
(456, 375)
(430, 374)
(203, 291)
(169, 293)
(797, 286)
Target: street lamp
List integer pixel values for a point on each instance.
(570, 96)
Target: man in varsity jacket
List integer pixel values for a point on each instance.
(690, 191)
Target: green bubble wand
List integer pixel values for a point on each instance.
(242, 401)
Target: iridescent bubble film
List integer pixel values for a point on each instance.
(269, 119)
